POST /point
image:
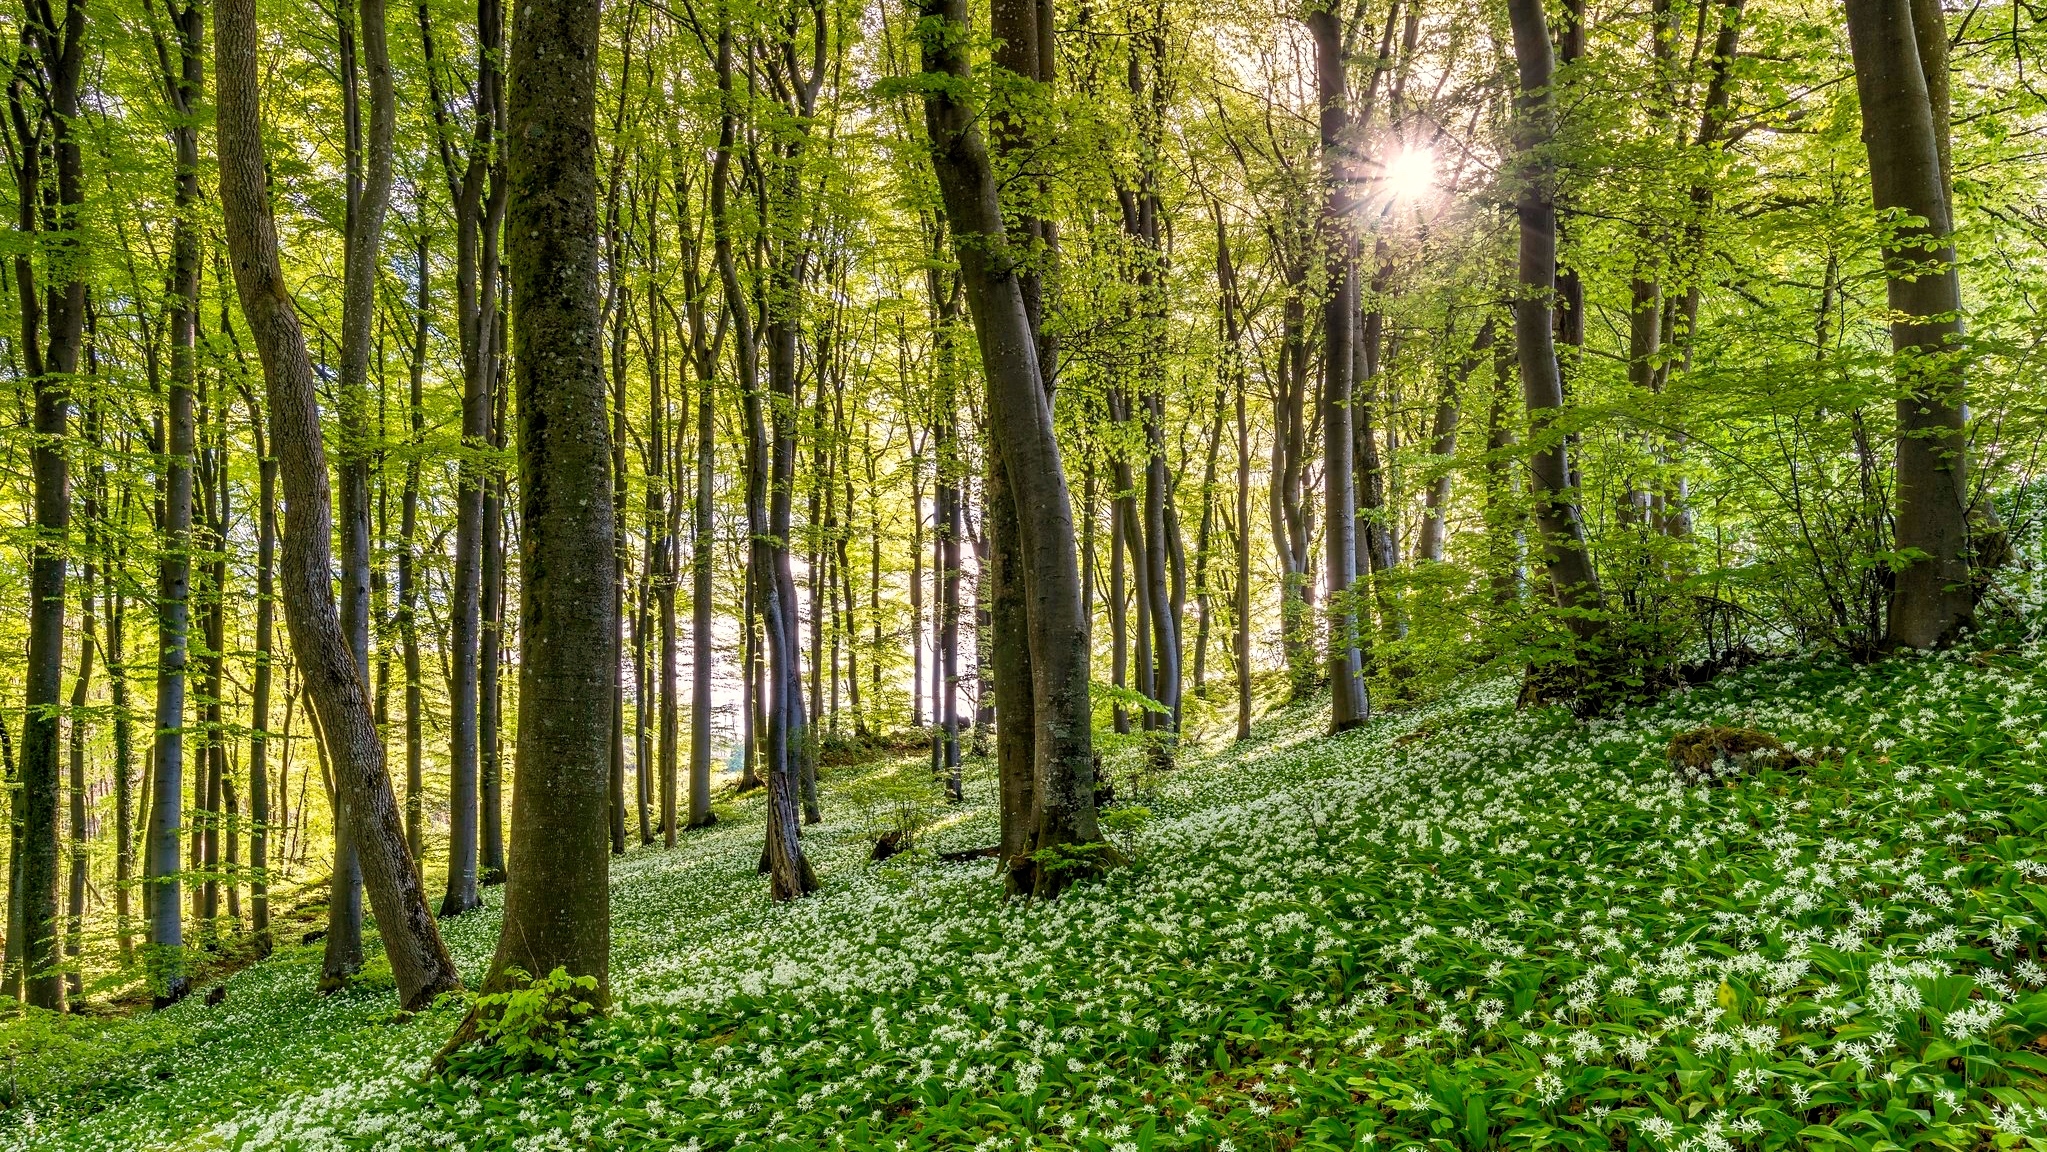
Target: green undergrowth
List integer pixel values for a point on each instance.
(1459, 928)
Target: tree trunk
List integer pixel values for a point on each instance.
(558, 898)
(476, 187)
(701, 559)
(1020, 416)
(334, 680)
(259, 713)
(1571, 576)
(163, 902)
(1348, 704)
(769, 465)
(1934, 598)
(490, 854)
(52, 332)
(124, 744)
(408, 530)
(81, 692)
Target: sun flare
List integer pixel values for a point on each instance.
(1410, 174)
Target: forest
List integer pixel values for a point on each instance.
(1008, 574)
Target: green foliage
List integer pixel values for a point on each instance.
(49, 1060)
(530, 1022)
(1123, 824)
(904, 799)
(1073, 862)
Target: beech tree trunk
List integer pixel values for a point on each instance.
(778, 698)
(701, 559)
(1348, 704)
(1020, 416)
(476, 187)
(334, 681)
(1934, 598)
(558, 897)
(52, 335)
(259, 708)
(1572, 579)
(408, 530)
(1024, 47)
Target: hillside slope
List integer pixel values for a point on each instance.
(1466, 928)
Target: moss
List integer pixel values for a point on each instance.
(1718, 751)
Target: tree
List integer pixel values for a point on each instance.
(558, 896)
(1020, 416)
(334, 681)
(476, 187)
(181, 62)
(1933, 598)
(1348, 704)
(1572, 579)
(42, 98)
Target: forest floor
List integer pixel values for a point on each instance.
(1459, 927)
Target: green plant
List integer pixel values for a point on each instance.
(533, 1021)
(903, 802)
(1123, 824)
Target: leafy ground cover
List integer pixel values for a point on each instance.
(1461, 928)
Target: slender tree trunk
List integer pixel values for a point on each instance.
(163, 902)
(1204, 536)
(702, 543)
(916, 592)
(259, 706)
(52, 334)
(369, 176)
(1020, 416)
(1571, 576)
(490, 856)
(1348, 705)
(333, 677)
(1934, 598)
(124, 745)
(476, 187)
(408, 531)
(769, 467)
(81, 694)
(213, 484)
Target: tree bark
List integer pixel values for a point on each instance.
(1574, 583)
(1934, 598)
(476, 187)
(558, 898)
(701, 543)
(408, 530)
(1020, 416)
(259, 713)
(334, 681)
(52, 333)
(778, 698)
(1348, 704)
(163, 902)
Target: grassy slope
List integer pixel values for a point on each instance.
(1513, 931)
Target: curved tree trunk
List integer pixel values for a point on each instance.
(1020, 416)
(334, 682)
